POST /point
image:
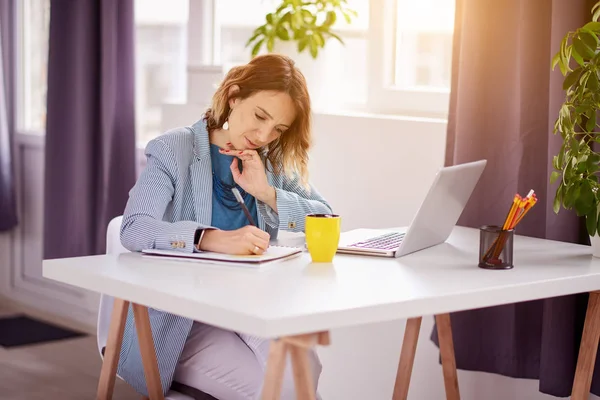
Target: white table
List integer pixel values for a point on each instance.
(298, 302)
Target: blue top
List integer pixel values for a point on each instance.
(227, 214)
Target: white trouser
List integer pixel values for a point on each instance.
(232, 366)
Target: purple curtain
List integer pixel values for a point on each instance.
(90, 133)
(8, 206)
(504, 101)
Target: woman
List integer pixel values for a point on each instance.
(255, 136)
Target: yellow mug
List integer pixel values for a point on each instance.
(322, 236)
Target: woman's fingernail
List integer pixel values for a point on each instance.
(241, 152)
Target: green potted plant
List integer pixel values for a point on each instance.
(309, 23)
(301, 29)
(576, 165)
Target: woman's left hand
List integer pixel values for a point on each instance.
(252, 178)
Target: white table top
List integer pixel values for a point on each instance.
(298, 296)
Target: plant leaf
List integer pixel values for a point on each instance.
(282, 33)
(299, 34)
(287, 18)
(252, 39)
(557, 199)
(281, 7)
(590, 124)
(573, 196)
(592, 26)
(351, 11)
(339, 39)
(561, 157)
(577, 57)
(591, 221)
(257, 46)
(589, 38)
(330, 18)
(571, 78)
(555, 60)
(563, 47)
(582, 48)
(269, 18)
(302, 44)
(308, 17)
(575, 146)
(297, 20)
(596, 6)
(585, 201)
(347, 17)
(581, 167)
(319, 40)
(270, 43)
(554, 176)
(592, 163)
(593, 84)
(314, 49)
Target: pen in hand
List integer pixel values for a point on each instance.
(240, 200)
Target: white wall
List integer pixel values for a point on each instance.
(375, 170)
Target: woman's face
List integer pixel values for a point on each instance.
(259, 119)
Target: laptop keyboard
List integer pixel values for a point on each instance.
(387, 241)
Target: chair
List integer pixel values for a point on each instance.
(113, 245)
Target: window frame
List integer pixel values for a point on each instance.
(22, 112)
(20, 99)
(383, 96)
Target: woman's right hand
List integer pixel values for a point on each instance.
(243, 241)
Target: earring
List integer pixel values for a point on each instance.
(226, 125)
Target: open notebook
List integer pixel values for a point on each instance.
(272, 255)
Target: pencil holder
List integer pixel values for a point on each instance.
(495, 247)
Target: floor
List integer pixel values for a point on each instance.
(66, 370)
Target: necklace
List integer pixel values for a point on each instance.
(226, 197)
(224, 194)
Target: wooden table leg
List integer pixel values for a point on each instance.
(298, 347)
(587, 349)
(275, 368)
(112, 350)
(447, 354)
(148, 352)
(407, 358)
(305, 389)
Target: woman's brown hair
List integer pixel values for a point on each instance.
(288, 153)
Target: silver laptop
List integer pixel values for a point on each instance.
(433, 223)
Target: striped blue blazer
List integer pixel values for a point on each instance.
(170, 201)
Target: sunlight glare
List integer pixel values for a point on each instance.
(425, 15)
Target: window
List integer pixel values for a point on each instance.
(411, 56)
(160, 62)
(423, 44)
(32, 64)
(396, 58)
